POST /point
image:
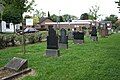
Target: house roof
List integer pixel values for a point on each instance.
(67, 23)
(43, 19)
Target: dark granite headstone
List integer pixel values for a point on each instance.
(94, 31)
(52, 43)
(52, 39)
(17, 64)
(78, 37)
(94, 34)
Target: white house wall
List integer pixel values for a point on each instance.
(3, 26)
(11, 29)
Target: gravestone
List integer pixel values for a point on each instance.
(17, 64)
(103, 30)
(78, 37)
(63, 40)
(14, 68)
(52, 43)
(94, 34)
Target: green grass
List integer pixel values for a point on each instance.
(90, 61)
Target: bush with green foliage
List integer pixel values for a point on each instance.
(7, 40)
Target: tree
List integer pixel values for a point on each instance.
(14, 10)
(84, 16)
(48, 14)
(35, 20)
(113, 19)
(67, 18)
(73, 17)
(39, 14)
(54, 18)
(93, 12)
(61, 19)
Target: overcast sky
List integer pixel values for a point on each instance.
(77, 7)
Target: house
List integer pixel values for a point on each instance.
(78, 24)
(41, 25)
(8, 27)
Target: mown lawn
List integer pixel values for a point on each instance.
(90, 61)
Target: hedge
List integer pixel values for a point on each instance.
(7, 40)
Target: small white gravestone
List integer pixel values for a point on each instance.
(29, 22)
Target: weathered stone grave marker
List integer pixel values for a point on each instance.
(103, 29)
(70, 34)
(63, 40)
(17, 64)
(14, 68)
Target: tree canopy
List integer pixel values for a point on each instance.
(93, 12)
(84, 16)
(113, 19)
(14, 10)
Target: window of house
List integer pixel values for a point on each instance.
(42, 26)
(7, 26)
(20, 27)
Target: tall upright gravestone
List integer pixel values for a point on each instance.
(78, 37)
(52, 43)
(94, 34)
(63, 40)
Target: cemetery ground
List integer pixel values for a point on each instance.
(89, 61)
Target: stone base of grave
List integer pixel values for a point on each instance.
(52, 53)
(94, 38)
(8, 74)
(78, 41)
(63, 46)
